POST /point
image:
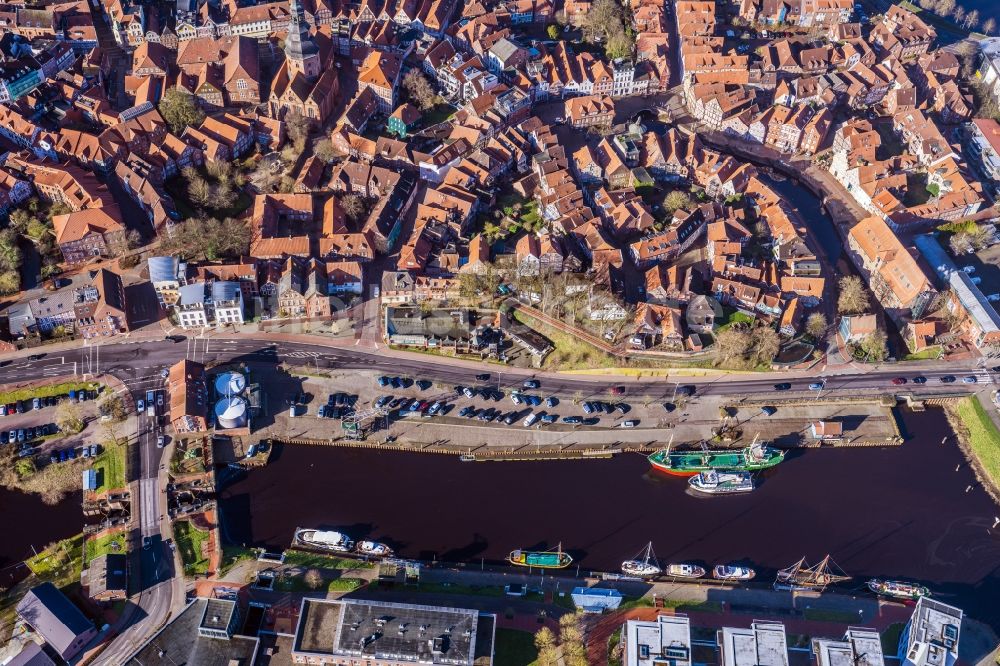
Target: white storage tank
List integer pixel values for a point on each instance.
(231, 413)
(230, 383)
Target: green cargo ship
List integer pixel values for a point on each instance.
(753, 458)
(542, 559)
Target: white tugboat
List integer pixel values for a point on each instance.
(685, 571)
(374, 549)
(732, 572)
(722, 483)
(643, 564)
(336, 542)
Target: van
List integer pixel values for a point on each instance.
(292, 412)
(530, 420)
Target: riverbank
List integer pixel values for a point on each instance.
(979, 439)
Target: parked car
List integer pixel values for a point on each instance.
(510, 418)
(631, 423)
(94, 450)
(36, 403)
(551, 401)
(423, 384)
(466, 411)
(530, 419)
(383, 380)
(687, 391)
(550, 418)
(768, 411)
(515, 398)
(140, 406)
(588, 408)
(160, 441)
(468, 392)
(159, 399)
(572, 419)
(669, 407)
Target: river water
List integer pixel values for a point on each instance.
(28, 522)
(902, 512)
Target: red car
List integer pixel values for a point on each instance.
(617, 390)
(899, 381)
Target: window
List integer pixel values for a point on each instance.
(242, 84)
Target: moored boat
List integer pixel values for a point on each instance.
(685, 571)
(546, 559)
(643, 564)
(374, 549)
(801, 576)
(732, 572)
(898, 589)
(722, 483)
(337, 542)
(753, 458)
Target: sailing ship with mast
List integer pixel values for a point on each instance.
(643, 564)
(544, 559)
(752, 458)
(801, 576)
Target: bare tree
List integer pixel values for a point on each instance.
(420, 90)
(68, 417)
(313, 579)
(971, 20)
(816, 324)
(989, 26)
(853, 296)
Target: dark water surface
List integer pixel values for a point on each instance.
(902, 512)
(26, 521)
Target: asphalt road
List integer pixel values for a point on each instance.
(139, 364)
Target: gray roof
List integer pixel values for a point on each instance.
(107, 573)
(31, 655)
(400, 632)
(182, 645)
(53, 616)
(20, 318)
(438, 324)
(225, 291)
(504, 49)
(163, 269)
(980, 309)
(192, 293)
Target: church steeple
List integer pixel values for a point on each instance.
(300, 49)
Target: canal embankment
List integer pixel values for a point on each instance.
(979, 439)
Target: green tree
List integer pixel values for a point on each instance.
(180, 110)
(620, 44)
(10, 282)
(552, 31)
(10, 252)
(545, 643)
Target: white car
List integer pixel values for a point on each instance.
(140, 406)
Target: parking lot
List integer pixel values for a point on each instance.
(511, 417)
(34, 431)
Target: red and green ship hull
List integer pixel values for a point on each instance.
(689, 463)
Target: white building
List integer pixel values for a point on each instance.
(201, 305)
(763, 644)
(859, 647)
(663, 642)
(191, 307)
(931, 636)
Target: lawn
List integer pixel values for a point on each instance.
(569, 353)
(110, 466)
(108, 543)
(45, 391)
(983, 437)
(514, 648)
(191, 541)
(616, 638)
(890, 638)
(61, 563)
(929, 353)
(298, 584)
(316, 561)
(233, 555)
(733, 316)
(825, 615)
(438, 114)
